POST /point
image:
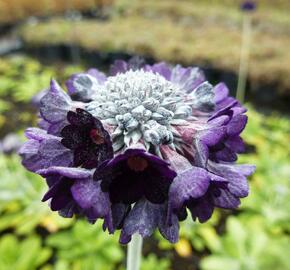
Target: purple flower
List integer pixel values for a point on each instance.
(248, 6)
(136, 177)
(139, 147)
(86, 137)
(135, 174)
(73, 191)
(202, 189)
(43, 150)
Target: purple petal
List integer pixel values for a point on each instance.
(237, 183)
(119, 66)
(55, 128)
(119, 212)
(169, 232)
(161, 68)
(100, 76)
(40, 155)
(236, 125)
(236, 143)
(89, 196)
(213, 136)
(75, 173)
(82, 86)
(220, 120)
(202, 210)
(192, 183)
(69, 210)
(37, 134)
(201, 153)
(55, 104)
(142, 219)
(187, 78)
(221, 92)
(203, 97)
(226, 200)
(59, 202)
(224, 110)
(226, 154)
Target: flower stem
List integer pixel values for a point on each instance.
(244, 59)
(134, 252)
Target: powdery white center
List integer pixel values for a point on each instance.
(143, 105)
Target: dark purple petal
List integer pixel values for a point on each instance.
(124, 238)
(134, 174)
(86, 136)
(119, 212)
(201, 209)
(80, 118)
(56, 183)
(58, 203)
(69, 210)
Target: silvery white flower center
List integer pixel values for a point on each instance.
(143, 105)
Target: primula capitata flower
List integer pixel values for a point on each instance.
(87, 138)
(139, 147)
(43, 150)
(248, 6)
(73, 191)
(137, 178)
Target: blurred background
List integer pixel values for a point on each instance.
(55, 38)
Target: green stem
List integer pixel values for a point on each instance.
(134, 252)
(244, 59)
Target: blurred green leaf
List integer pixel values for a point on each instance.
(151, 262)
(86, 246)
(22, 255)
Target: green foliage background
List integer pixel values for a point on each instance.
(255, 237)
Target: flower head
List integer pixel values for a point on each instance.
(248, 6)
(139, 147)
